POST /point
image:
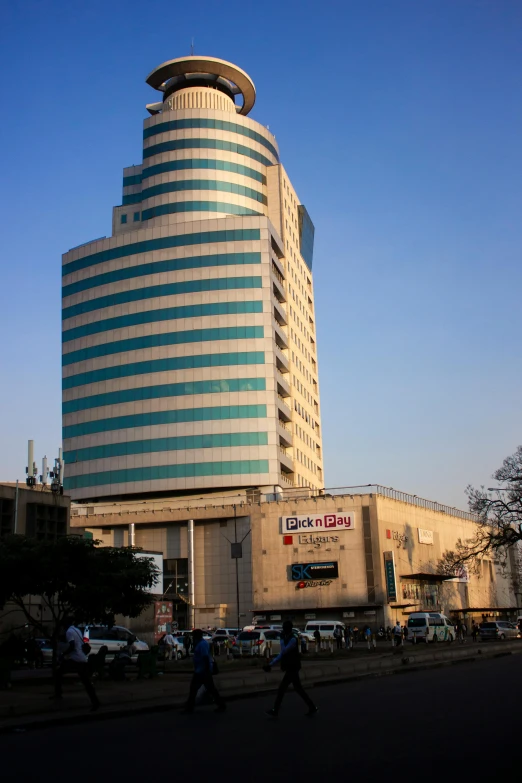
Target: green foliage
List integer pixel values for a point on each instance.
(75, 578)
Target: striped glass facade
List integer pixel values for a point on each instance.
(177, 361)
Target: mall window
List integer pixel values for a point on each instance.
(123, 219)
(136, 217)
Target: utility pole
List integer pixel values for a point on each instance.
(236, 551)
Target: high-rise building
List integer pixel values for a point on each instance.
(189, 342)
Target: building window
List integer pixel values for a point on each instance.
(136, 217)
(45, 522)
(123, 219)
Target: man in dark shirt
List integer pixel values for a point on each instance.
(290, 664)
(203, 668)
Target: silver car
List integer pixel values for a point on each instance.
(498, 630)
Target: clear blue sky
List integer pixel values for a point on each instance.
(399, 123)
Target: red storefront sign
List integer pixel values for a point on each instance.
(162, 616)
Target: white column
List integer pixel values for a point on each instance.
(191, 581)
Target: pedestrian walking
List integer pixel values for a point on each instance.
(290, 665)
(397, 634)
(74, 661)
(203, 670)
(474, 631)
(317, 637)
(355, 635)
(368, 637)
(338, 635)
(348, 637)
(170, 643)
(405, 632)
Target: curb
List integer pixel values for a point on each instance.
(32, 724)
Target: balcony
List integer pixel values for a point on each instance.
(285, 435)
(281, 360)
(279, 314)
(286, 461)
(280, 336)
(284, 407)
(278, 290)
(285, 411)
(283, 387)
(286, 478)
(278, 269)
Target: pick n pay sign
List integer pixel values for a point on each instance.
(343, 520)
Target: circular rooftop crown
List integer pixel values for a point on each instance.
(184, 72)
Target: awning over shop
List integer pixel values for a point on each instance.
(403, 606)
(422, 577)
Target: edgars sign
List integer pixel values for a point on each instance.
(343, 520)
(306, 571)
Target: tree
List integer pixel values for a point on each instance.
(75, 578)
(498, 514)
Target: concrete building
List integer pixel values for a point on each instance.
(370, 556)
(189, 342)
(33, 511)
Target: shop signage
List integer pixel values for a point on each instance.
(348, 614)
(318, 540)
(389, 575)
(162, 618)
(400, 537)
(370, 611)
(313, 583)
(425, 536)
(309, 616)
(304, 571)
(343, 520)
(275, 616)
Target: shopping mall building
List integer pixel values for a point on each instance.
(370, 555)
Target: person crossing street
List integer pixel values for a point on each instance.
(290, 660)
(203, 670)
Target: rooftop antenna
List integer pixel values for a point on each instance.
(192, 47)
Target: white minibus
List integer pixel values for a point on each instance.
(430, 627)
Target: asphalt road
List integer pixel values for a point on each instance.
(437, 724)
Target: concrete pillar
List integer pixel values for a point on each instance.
(191, 581)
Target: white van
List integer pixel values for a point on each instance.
(325, 627)
(430, 627)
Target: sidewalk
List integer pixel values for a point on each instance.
(26, 706)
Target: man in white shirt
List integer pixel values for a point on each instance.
(169, 643)
(74, 662)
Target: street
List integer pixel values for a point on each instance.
(456, 720)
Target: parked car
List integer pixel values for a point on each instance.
(224, 632)
(114, 638)
(255, 642)
(500, 629)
